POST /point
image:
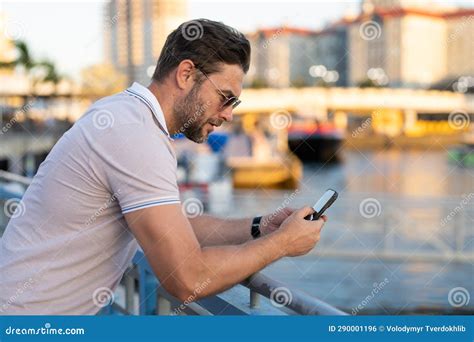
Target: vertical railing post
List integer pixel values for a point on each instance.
(129, 294)
(163, 306)
(254, 299)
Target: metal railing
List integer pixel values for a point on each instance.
(13, 177)
(257, 295)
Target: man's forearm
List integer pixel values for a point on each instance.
(221, 267)
(213, 231)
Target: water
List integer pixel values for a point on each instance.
(414, 205)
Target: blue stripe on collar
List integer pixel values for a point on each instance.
(150, 106)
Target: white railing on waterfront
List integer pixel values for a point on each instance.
(257, 295)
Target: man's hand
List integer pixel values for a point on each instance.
(272, 222)
(300, 235)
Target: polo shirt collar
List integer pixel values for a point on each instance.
(147, 97)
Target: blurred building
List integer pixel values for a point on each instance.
(135, 32)
(331, 55)
(294, 57)
(460, 43)
(410, 43)
(396, 43)
(281, 57)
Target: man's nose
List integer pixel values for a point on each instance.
(226, 114)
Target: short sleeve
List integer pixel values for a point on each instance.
(140, 168)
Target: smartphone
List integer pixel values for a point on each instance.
(324, 202)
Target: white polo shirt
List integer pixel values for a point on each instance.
(70, 243)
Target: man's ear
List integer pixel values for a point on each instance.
(184, 74)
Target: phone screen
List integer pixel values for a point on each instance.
(323, 200)
(322, 204)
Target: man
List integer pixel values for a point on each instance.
(110, 182)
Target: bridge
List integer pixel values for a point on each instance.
(317, 100)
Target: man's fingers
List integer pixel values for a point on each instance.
(324, 217)
(289, 210)
(303, 212)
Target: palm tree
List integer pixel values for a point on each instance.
(25, 60)
(24, 57)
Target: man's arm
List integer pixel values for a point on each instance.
(182, 266)
(214, 231)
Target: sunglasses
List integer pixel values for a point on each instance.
(226, 100)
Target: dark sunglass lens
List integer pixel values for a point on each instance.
(236, 102)
(229, 102)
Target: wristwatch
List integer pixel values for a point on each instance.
(255, 230)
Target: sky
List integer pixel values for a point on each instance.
(70, 32)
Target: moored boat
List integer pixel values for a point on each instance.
(282, 172)
(315, 142)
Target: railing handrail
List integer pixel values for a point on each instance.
(294, 299)
(13, 177)
(299, 301)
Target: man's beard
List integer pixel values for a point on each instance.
(190, 116)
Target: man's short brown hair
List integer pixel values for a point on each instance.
(207, 43)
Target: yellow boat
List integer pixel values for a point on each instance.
(269, 164)
(275, 173)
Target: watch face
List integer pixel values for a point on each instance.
(255, 229)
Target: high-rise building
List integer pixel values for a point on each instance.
(135, 32)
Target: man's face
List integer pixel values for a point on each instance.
(201, 109)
